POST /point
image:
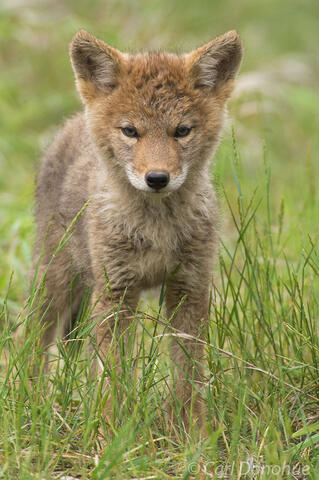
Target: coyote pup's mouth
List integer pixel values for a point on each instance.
(157, 195)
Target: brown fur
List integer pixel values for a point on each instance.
(133, 233)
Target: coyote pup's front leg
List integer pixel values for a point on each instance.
(187, 304)
(114, 304)
(187, 352)
(114, 313)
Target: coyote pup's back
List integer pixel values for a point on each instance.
(139, 155)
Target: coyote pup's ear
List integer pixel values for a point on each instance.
(213, 64)
(96, 65)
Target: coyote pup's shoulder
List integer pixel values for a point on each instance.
(139, 154)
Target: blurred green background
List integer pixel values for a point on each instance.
(274, 112)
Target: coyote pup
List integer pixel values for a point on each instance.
(140, 153)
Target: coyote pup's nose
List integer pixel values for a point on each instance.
(157, 180)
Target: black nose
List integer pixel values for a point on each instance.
(157, 180)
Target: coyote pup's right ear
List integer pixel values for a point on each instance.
(96, 65)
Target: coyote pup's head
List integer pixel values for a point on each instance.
(157, 116)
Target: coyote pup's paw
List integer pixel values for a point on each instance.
(187, 412)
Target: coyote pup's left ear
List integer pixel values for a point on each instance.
(217, 62)
(96, 65)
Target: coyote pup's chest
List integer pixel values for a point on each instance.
(154, 256)
(147, 239)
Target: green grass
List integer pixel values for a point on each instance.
(262, 391)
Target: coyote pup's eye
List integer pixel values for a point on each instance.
(182, 131)
(129, 132)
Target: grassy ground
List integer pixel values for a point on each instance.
(263, 345)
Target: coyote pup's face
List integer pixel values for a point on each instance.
(156, 116)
